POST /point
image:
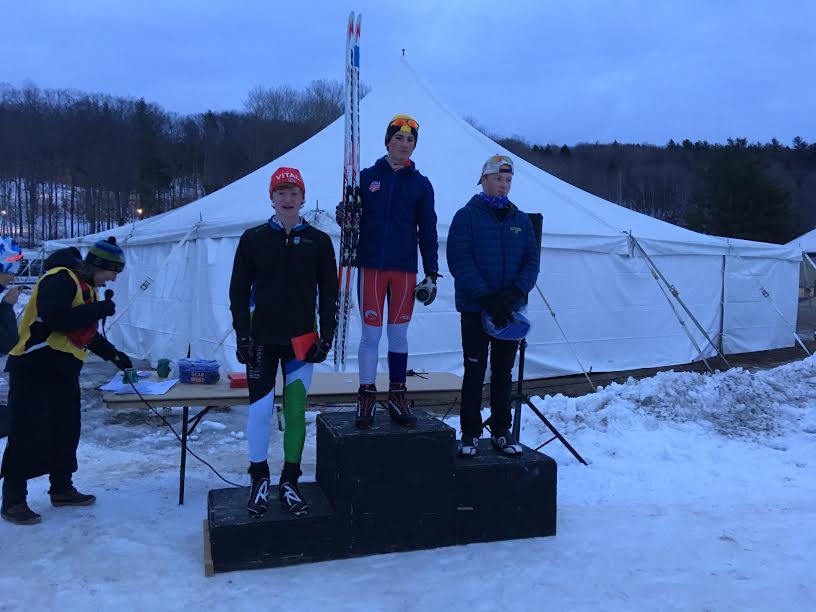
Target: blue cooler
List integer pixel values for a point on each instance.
(198, 371)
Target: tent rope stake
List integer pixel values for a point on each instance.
(676, 294)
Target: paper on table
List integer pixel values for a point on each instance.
(145, 387)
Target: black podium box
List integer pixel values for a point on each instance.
(390, 486)
(238, 541)
(504, 498)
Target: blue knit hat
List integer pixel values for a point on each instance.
(106, 254)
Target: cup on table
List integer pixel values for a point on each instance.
(163, 368)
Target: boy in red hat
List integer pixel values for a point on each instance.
(281, 267)
(397, 217)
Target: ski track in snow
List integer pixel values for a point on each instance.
(699, 496)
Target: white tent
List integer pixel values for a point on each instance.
(807, 244)
(174, 291)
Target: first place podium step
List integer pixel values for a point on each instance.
(387, 489)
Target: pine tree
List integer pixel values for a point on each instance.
(739, 200)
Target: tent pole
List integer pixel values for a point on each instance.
(681, 321)
(564, 335)
(676, 295)
(721, 341)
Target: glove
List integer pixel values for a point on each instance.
(122, 360)
(425, 292)
(103, 308)
(318, 352)
(340, 214)
(497, 308)
(244, 352)
(511, 296)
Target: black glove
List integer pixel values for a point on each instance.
(244, 352)
(103, 308)
(497, 309)
(340, 214)
(511, 296)
(318, 352)
(122, 360)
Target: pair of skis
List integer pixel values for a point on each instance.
(352, 205)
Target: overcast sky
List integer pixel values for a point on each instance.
(552, 71)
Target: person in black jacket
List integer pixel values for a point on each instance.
(8, 335)
(58, 327)
(494, 259)
(282, 265)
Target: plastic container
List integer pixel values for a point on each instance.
(198, 371)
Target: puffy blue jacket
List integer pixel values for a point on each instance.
(485, 254)
(398, 214)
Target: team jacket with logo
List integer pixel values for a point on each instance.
(285, 274)
(486, 254)
(398, 214)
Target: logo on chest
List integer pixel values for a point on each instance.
(296, 240)
(516, 230)
(374, 186)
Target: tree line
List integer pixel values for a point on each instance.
(72, 163)
(754, 191)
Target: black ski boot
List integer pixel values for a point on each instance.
(20, 514)
(366, 406)
(398, 408)
(288, 492)
(468, 445)
(504, 442)
(258, 502)
(70, 497)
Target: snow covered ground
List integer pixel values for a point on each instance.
(699, 496)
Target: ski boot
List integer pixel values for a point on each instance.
(504, 442)
(398, 408)
(288, 492)
(366, 406)
(258, 502)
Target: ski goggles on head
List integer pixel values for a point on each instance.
(404, 122)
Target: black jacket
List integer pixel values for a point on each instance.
(284, 273)
(8, 327)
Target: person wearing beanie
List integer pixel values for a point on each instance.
(288, 270)
(493, 257)
(58, 328)
(397, 217)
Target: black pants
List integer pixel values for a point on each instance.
(15, 490)
(475, 345)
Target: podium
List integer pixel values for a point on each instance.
(387, 489)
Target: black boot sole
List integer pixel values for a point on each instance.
(31, 521)
(63, 504)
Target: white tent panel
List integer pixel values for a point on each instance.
(754, 322)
